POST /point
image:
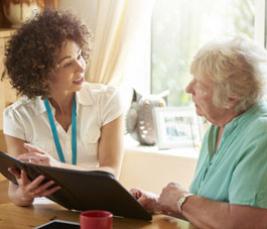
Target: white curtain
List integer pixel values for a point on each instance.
(121, 50)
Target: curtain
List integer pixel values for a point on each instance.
(121, 40)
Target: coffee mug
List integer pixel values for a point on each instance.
(96, 219)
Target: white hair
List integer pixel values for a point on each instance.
(237, 68)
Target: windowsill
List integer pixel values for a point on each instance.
(132, 146)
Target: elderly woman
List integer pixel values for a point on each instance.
(229, 189)
(60, 120)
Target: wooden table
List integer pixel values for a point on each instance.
(13, 217)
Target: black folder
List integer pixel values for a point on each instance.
(81, 190)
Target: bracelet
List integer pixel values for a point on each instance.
(182, 200)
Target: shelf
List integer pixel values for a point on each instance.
(6, 32)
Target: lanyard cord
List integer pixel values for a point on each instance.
(55, 133)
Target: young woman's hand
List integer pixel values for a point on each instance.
(35, 155)
(25, 191)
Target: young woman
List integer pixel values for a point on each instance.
(60, 120)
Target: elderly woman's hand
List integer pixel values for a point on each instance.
(168, 199)
(147, 199)
(38, 156)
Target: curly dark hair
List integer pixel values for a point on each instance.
(32, 50)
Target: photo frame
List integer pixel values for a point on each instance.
(177, 127)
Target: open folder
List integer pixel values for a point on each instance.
(81, 190)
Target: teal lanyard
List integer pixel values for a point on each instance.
(55, 133)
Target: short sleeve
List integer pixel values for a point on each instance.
(111, 105)
(248, 185)
(12, 124)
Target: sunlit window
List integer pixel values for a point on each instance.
(180, 27)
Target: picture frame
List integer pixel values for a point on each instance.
(177, 127)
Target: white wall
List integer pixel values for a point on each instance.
(150, 169)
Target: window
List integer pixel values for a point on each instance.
(181, 27)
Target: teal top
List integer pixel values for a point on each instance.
(235, 172)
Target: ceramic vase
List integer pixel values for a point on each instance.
(19, 11)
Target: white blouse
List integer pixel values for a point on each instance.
(97, 105)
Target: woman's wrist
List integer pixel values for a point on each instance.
(181, 201)
(17, 197)
(25, 202)
(21, 201)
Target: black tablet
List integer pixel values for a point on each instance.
(59, 224)
(82, 190)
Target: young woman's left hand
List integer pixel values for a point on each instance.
(35, 155)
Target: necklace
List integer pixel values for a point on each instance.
(55, 133)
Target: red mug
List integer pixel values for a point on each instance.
(96, 219)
